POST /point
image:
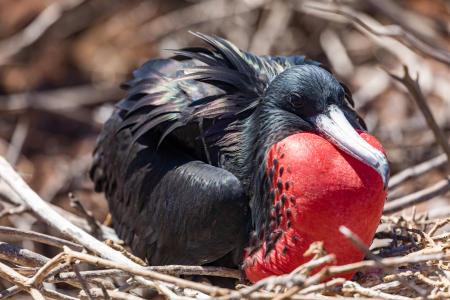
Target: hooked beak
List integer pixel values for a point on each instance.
(336, 128)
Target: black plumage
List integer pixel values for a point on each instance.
(182, 161)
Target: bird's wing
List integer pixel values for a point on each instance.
(208, 91)
(169, 207)
(217, 88)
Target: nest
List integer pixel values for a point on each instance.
(409, 258)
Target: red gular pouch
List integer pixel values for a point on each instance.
(318, 188)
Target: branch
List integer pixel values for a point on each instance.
(49, 265)
(186, 17)
(17, 140)
(49, 16)
(16, 210)
(140, 271)
(177, 270)
(20, 256)
(308, 267)
(395, 31)
(414, 89)
(56, 295)
(266, 295)
(12, 197)
(125, 252)
(388, 269)
(417, 197)
(83, 282)
(174, 270)
(95, 227)
(9, 292)
(97, 293)
(57, 100)
(336, 53)
(10, 275)
(354, 287)
(38, 237)
(408, 20)
(417, 170)
(42, 209)
(277, 19)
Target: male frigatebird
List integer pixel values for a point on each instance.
(218, 153)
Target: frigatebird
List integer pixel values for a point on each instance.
(218, 154)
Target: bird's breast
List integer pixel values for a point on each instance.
(316, 188)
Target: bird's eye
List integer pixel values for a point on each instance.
(297, 100)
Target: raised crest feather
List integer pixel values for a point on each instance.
(199, 83)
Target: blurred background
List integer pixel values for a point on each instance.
(61, 64)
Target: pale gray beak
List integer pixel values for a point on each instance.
(336, 128)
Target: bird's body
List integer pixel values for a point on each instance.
(341, 192)
(188, 161)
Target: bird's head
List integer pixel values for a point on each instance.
(314, 96)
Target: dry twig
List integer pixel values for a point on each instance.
(147, 273)
(73, 98)
(278, 15)
(20, 256)
(414, 89)
(95, 227)
(10, 275)
(35, 29)
(394, 31)
(417, 197)
(38, 237)
(191, 15)
(42, 209)
(417, 170)
(17, 140)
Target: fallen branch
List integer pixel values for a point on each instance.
(40, 275)
(174, 270)
(12, 197)
(38, 237)
(308, 267)
(89, 217)
(140, 271)
(417, 197)
(16, 210)
(97, 293)
(407, 19)
(354, 287)
(17, 140)
(417, 170)
(41, 208)
(10, 275)
(394, 31)
(9, 292)
(57, 100)
(35, 29)
(20, 256)
(56, 295)
(83, 282)
(414, 89)
(388, 269)
(187, 17)
(275, 21)
(337, 54)
(265, 295)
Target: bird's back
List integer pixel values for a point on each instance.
(167, 202)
